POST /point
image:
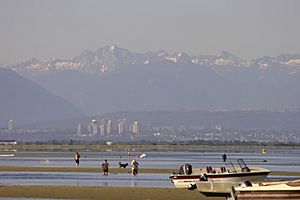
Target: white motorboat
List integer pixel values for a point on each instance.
(267, 190)
(227, 173)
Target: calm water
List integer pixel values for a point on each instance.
(275, 160)
(84, 179)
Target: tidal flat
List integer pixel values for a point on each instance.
(104, 193)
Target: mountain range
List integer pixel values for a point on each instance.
(26, 102)
(115, 79)
(111, 58)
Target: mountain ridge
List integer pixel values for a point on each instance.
(24, 101)
(111, 57)
(113, 79)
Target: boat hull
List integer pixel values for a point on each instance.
(209, 188)
(238, 177)
(268, 190)
(183, 181)
(270, 195)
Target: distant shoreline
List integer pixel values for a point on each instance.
(134, 147)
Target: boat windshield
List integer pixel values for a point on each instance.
(243, 165)
(229, 165)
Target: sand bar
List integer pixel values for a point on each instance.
(120, 193)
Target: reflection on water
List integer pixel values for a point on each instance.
(84, 179)
(94, 179)
(276, 159)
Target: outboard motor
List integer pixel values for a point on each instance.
(187, 169)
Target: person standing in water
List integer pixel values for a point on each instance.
(134, 167)
(105, 167)
(224, 157)
(76, 158)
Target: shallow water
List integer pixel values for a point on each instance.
(85, 179)
(275, 160)
(95, 179)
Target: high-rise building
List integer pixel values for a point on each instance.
(135, 128)
(109, 128)
(218, 127)
(93, 128)
(78, 130)
(102, 127)
(121, 126)
(10, 125)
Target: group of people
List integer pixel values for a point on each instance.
(105, 165)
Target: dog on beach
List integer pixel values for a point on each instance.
(124, 165)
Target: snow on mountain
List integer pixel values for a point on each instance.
(226, 58)
(160, 80)
(179, 58)
(162, 53)
(112, 57)
(223, 58)
(202, 59)
(292, 62)
(288, 63)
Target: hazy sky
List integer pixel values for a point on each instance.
(63, 29)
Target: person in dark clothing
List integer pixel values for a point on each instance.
(224, 157)
(105, 167)
(76, 158)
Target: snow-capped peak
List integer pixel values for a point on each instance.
(292, 62)
(161, 53)
(112, 48)
(111, 57)
(227, 58)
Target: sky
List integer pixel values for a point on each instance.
(47, 29)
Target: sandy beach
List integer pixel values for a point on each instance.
(100, 192)
(94, 192)
(120, 193)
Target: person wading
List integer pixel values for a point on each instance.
(76, 158)
(105, 167)
(134, 167)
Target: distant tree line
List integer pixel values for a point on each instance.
(145, 142)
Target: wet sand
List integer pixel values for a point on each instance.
(100, 192)
(120, 193)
